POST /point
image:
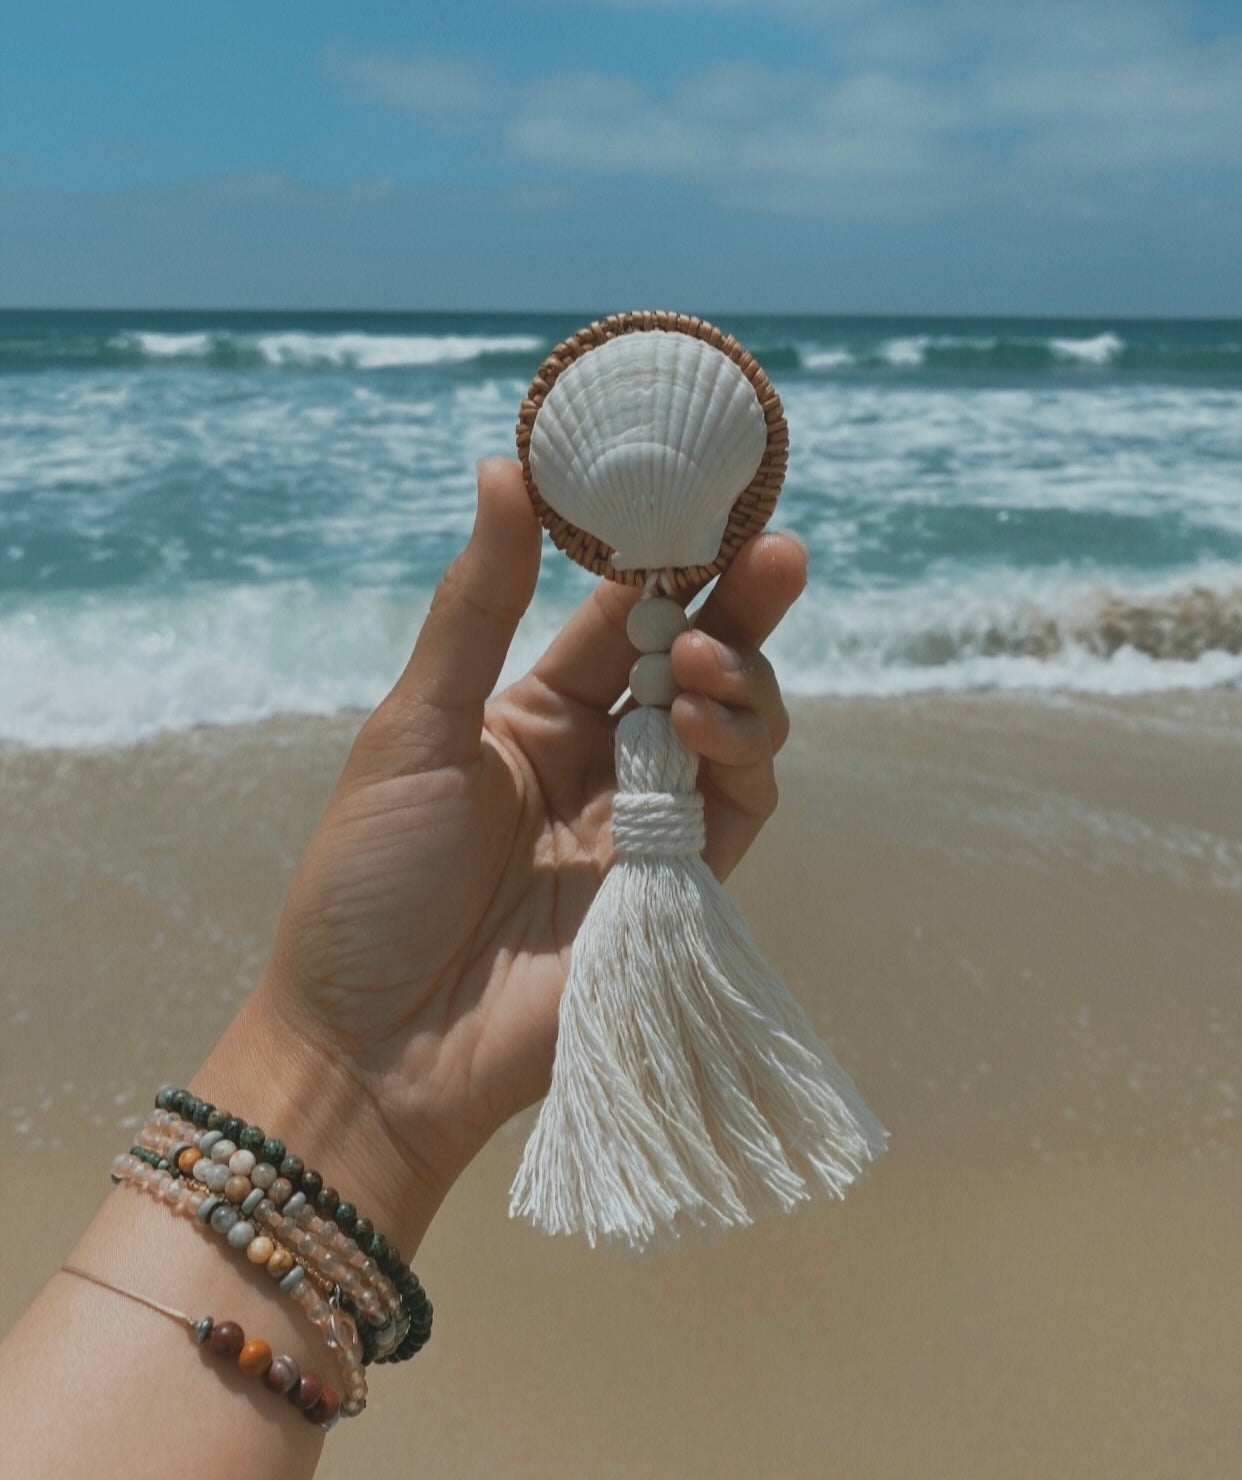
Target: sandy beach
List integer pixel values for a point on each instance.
(1018, 924)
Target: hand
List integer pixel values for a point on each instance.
(425, 942)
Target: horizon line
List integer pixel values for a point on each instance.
(590, 315)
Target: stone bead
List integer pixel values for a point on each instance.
(280, 1263)
(260, 1249)
(295, 1204)
(308, 1391)
(655, 624)
(208, 1139)
(252, 1138)
(280, 1191)
(226, 1340)
(283, 1375)
(293, 1279)
(237, 1189)
(222, 1150)
(188, 1160)
(292, 1167)
(223, 1218)
(312, 1184)
(254, 1358)
(251, 1201)
(652, 682)
(273, 1151)
(326, 1409)
(304, 1242)
(206, 1209)
(240, 1235)
(216, 1119)
(242, 1163)
(264, 1175)
(212, 1175)
(304, 1295)
(233, 1128)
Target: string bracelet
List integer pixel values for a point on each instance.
(252, 1357)
(316, 1300)
(325, 1201)
(250, 1213)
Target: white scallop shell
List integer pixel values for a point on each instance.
(646, 442)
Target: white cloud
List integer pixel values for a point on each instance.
(444, 86)
(907, 112)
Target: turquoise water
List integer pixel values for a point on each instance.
(214, 517)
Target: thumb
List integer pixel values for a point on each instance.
(438, 700)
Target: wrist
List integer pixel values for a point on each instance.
(274, 1073)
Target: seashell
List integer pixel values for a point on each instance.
(646, 441)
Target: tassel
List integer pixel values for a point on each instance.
(689, 1087)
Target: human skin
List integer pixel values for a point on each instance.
(409, 1006)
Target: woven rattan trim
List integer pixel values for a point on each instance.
(754, 504)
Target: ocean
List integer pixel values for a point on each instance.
(212, 518)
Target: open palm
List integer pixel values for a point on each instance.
(426, 938)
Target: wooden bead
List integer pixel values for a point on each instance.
(254, 1358)
(652, 682)
(226, 1340)
(655, 623)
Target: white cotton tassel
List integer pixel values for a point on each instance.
(688, 1086)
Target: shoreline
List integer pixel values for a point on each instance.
(1016, 921)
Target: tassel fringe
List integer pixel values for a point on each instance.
(689, 1087)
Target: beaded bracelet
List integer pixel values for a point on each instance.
(253, 1358)
(327, 1202)
(194, 1200)
(242, 1208)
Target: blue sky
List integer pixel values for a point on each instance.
(1074, 156)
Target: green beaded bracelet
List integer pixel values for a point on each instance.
(327, 1203)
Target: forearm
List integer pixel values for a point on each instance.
(93, 1382)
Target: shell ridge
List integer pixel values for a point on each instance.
(652, 452)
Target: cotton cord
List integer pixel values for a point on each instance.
(653, 824)
(689, 1086)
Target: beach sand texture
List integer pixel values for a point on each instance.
(1018, 923)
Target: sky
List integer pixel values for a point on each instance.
(938, 156)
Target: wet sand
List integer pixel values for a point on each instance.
(1019, 924)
